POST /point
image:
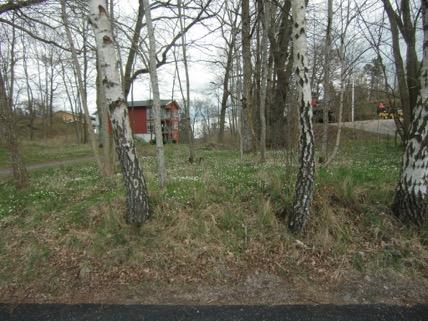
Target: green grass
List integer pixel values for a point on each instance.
(215, 220)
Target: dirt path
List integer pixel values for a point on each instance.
(8, 171)
(381, 126)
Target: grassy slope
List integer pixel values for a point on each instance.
(214, 224)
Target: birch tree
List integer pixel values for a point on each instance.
(135, 185)
(305, 177)
(411, 198)
(156, 96)
(104, 135)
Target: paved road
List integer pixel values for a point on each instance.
(8, 171)
(381, 126)
(89, 312)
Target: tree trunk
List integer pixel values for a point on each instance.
(186, 70)
(225, 95)
(71, 99)
(248, 134)
(136, 34)
(305, 177)
(264, 65)
(156, 96)
(104, 135)
(411, 198)
(399, 67)
(28, 89)
(81, 86)
(7, 120)
(136, 191)
(341, 102)
(326, 86)
(280, 41)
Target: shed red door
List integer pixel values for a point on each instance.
(138, 120)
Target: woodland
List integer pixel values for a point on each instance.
(300, 175)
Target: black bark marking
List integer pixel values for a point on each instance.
(136, 191)
(107, 40)
(102, 10)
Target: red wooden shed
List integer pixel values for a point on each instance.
(142, 121)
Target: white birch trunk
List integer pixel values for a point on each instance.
(341, 102)
(305, 177)
(104, 135)
(135, 185)
(411, 198)
(156, 96)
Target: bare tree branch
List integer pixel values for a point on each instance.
(14, 5)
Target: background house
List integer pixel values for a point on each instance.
(66, 117)
(142, 121)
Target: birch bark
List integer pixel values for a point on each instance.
(305, 177)
(135, 185)
(411, 198)
(156, 96)
(341, 102)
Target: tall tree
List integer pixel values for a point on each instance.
(305, 177)
(247, 133)
(411, 198)
(279, 38)
(156, 96)
(81, 85)
(326, 84)
(135, 185)
(186, 101)
(408, 72)
(7, 120)
(266, 16)
(229, 19)
(104, 124)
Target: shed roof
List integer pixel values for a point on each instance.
(148, 103)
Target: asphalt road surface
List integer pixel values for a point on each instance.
(381, 126)
(89, 312)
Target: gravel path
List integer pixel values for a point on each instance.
(381, 126)
(8, 171)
